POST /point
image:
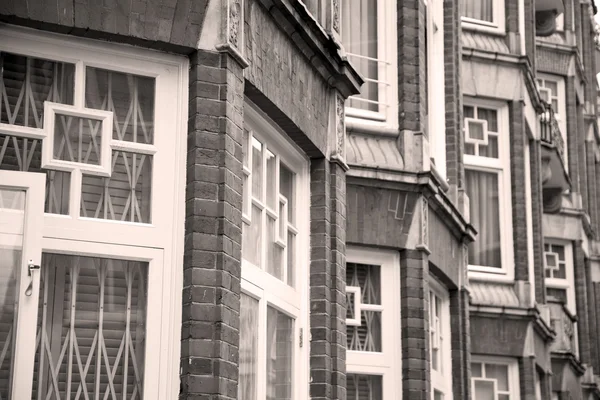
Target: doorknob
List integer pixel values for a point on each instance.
(30, 268)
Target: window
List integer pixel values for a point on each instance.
(372, 324)
(369, 38)
(94, 132)
(558, 266)
(552, 91)
(485, 15)
(273, 324)
(439, 332)
(436, 127)
(487, 181)
(494, 378)
(318, 9)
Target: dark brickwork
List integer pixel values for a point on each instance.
(210, 331)
(530, 47)
(527, 378)
(461, 346)
(414, 306)
(592, 317)
(581, 299)
(173, 25)
(517, 176)
(581, 159)
(590, 170)
(572, 138)
(535, 162)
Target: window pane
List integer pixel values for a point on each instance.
(482, 188)
(484, 390)
(476, 130)
(469, 111)
(366, 336)
(489, 115)
(272, 198)
(286, 188)
(245, 145)
(280, 329)
(252, 238)
(553, 86)
(28, 83)
(478, 9)
(359, 29)
(257, 169)
(93, 310)
(77, 139)
(274, 251)
(476, 370)
(364, 387)
(125, 196)
(491, 149)
(130, 98)
(291, 255)
(23, 154)
(248, 347)
(499, 373)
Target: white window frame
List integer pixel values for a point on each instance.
(259, 284)
(441, 381)
(160, 243)
(561, 99)
(513, 373)
(387, 73)
(497, 26)
(388, 362)
(436, 102)
(569, 282)
(501, 166)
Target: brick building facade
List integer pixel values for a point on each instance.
(366, 202)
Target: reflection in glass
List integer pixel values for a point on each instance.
(280, 330)
(248, 347)
(364, 387)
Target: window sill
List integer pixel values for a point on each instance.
(481, 274)
(368, 126)
(472, 25)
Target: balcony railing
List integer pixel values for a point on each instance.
(550, 131)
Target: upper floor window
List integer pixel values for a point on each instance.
(436, 103)
(487, 181)
(369, 38)
(439, 342)
(273, 359)
(494, 378)
(485, 15)
(558, 267)
(552, 91)
(372, 325)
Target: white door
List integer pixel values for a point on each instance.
(21, 217)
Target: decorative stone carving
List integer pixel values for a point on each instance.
(340, 129)
(336, 15)
(424, 221)
(235, 19)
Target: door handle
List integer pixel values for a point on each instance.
(31, 267)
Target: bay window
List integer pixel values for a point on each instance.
(439, 341)
(372, 325)
(273, 319)
(494, 378)
(487, 181)
(369, 39)
(485, 15)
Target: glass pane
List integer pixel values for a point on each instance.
(364, 387)
(125, 196)
(545, 95)
(469, 111)
(491, 150)
(368, 278)
(553, 86)
(28, 82)
(77, 139)
(274, 251)
(130, 98)
(503, 397)
(367, 336)
(478, 9)
(280, 330)
(484, 390)
(248, 347)
(476, 130)
(470, 149)
(499, 373)
(12, 221)
(251, 238)
(437, 395)
(22, 154)
(476, 370)
(245, 148)
(286, 188)
(272, 197)
(257, 169)
(291, 255)
(359, 27)
(561, 272)
(92, 312)
(551, 260)
(491, 116)
(482, 188)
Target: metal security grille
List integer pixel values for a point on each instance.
(91, 329)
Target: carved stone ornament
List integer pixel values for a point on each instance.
(235, 19)
(425, 222)
(339, 127)
(336, 15)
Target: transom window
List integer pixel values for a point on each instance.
(558, 266)
(495, 379)
(372, 324)
(439, 341)
(486, 15)
(369, 38)
(273, 353)
(487, 176)
(88, 132)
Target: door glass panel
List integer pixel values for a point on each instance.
(364, 387)
(12, 218)
(367, 335)
(91, 328)
(248, 348)
(280, 329)
(77, 139)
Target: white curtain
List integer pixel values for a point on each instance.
(478, 9)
